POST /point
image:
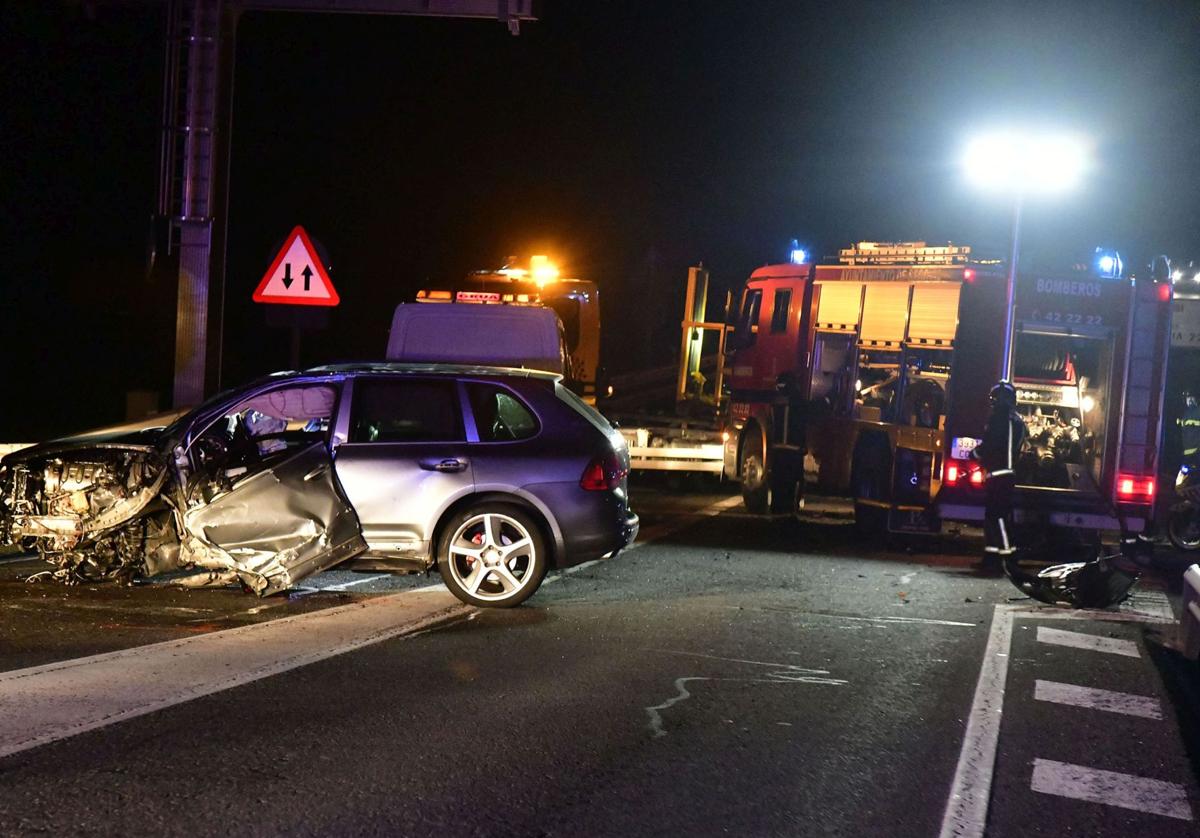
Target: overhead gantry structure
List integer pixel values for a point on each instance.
(194, 159)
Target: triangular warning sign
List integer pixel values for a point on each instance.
(297, 277)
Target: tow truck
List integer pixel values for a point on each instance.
(682, 433)
(869, 377)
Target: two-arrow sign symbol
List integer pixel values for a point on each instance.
(287, 275)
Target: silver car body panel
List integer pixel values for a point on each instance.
(399, 489)
(277, 526)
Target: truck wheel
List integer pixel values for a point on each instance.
(1183, 528)
(756, 491)
(787, 498)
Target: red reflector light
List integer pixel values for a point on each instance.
(968, 275)
(593, 477)
(603, 474)
(1134, 488)
(1164, 292)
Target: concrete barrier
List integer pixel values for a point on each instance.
(1189, 621)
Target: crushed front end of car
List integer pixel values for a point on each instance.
(241, 491)
(95, 513)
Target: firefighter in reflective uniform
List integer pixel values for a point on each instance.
(1189, 429)
(1002, 440)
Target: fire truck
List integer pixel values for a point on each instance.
(870, 377)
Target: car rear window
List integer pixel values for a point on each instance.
(585, 410)
(499, 415)
(405, 410)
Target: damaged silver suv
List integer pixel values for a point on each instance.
(493, 475)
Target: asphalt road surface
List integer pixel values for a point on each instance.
(732, 675)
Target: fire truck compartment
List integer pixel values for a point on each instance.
(1063, 381)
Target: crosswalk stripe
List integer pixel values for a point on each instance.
(1111, 788)
(1095, 699)
(1078, 640)
(1152, 603)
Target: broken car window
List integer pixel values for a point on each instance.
(261, 431)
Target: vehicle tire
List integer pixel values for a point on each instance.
(756, 488)
(492, 555)
(787, 498)
(1183, 528)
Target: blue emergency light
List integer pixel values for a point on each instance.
(797, 254)
(1108, 263)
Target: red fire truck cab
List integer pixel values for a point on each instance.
(870, 377)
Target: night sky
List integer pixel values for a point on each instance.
(628, 139)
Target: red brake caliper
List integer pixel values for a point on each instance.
(477, 538)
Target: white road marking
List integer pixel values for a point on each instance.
(1111, 788)
(1151, 603)
(1095, 643)
(919, 620)
(1095, 699)
(966, 810)
(355, 582)
(789, 666)
(58, 700)
(1041, 612)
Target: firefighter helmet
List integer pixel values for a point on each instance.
(1003, 393)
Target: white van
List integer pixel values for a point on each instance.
(466, 333)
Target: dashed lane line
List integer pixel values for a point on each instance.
(1111, 788)
(1092, 642)
(1096, 699)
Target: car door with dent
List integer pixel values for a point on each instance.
(404, 459)
(263, 492)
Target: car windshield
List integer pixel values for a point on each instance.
(174, 429)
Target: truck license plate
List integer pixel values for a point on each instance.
(962, 446)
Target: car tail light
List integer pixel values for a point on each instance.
(1134, 488)
(959, 471)
(603, 474)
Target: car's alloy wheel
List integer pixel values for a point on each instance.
(492, 555)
